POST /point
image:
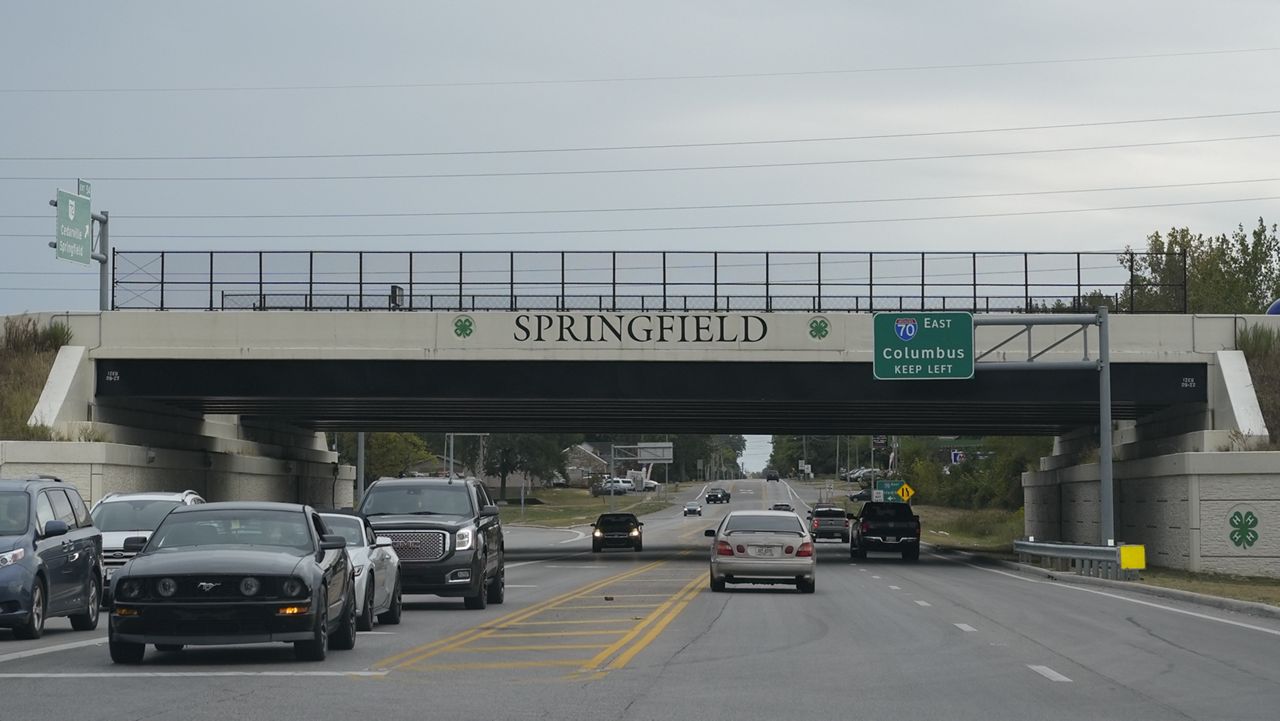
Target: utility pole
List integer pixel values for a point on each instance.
(359, 466)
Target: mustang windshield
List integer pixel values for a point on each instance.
(286, 529)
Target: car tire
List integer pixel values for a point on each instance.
(364, 622)
(480, 600)
(391, 616)
(857, 553)
(124, 651)
(911, 554)
(344, 639)
(844, 538)
(639, 546)
(497, 589)
(595, 548)
(88, 620)
(33, 628)
(804, 586)
(717, 585)
(318, 647)
(169, 647)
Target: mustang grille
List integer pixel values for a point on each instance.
(418, 545)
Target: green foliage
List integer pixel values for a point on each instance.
(1239, 273)
(26, 355)
(820, 453)
(386, 454)
(24, 335)
(537, 455)
(1261, 347)
(991, 478)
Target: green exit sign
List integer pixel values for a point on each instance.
(923, 346)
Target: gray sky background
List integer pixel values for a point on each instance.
(124, 47)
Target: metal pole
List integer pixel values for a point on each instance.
(450, 454)
(210, 280)
(162, 280)
(819, 282)
(359, 465)
(360, 278)
(104, 265)
(664, 281)
(1106, 480)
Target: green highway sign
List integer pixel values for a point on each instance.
(83, 188)
(74, 232)
(923, 346)
(891, 492)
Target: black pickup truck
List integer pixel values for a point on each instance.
(886, 527)
(717, 495)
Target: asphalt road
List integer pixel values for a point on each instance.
(625, 635)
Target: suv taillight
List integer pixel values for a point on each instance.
(815, 523)
(724, 549)
(846, 523)
(866, 527)
(805, 550)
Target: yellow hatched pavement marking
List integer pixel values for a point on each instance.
(578, 622)
(531, 647)
(496, 665)
(556, 634)
(663, 611)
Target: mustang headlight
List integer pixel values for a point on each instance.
(464, 539)
(294, 588)
(166, 587)
(250, 586)
(12, 557)
(129, 589)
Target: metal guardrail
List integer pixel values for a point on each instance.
(1113, 562)
(827, 281)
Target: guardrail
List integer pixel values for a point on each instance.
(1118, 563)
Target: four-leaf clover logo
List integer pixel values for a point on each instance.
(1242, 525)
(819, 328)
(464, 326)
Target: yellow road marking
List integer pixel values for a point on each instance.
(590, 621)
(492, 665)
(530, 647)
(621, 643)
(622, 660)
(606, 605)
(557, 634)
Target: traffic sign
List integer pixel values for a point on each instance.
(923, 346)
(73, 233)
(891, 491)
(879, 441)
(905, 492)
(84, 188)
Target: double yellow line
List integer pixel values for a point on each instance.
(452, 643)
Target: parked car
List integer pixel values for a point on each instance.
(886, 527)
(829, 522)
(717, 495)
(650, 485)
(447, 534)
(617, 530)
(762, 547)
(50, 557)
(693, 508)
(615, 486)
(235, 573)
(131, 515)
(376, 566)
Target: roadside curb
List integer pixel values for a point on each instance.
(1249, 608)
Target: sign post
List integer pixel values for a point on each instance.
(923, 346)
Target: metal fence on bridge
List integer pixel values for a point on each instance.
(672, 281)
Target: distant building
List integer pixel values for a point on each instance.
(585, 463)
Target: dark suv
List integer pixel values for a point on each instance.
(50, 556)
(447, 534)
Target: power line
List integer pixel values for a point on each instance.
(603, 148)
(638, 78)
(721, 206)
(670, 169)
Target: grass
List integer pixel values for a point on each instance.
(563, 507)
(990, 530)
(1261, 347)
(26, 355)
(1243, 588)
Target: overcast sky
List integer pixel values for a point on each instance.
(178, 79)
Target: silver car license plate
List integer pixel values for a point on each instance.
(890, 539)
(763, 551)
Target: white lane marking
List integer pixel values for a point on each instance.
(377, 633)
(198, 674)
(1049, 673)
(795, 495)
(863, 570)
(578, 537)
(516, 585)
(966, 628)
(923, 603)
(703, 492)
(52, 649)
(1162, 607)
(876, 577)
(895, 588)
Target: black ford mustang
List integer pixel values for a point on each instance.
(235, 573)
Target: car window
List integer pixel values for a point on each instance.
(482, 497)
(62, 507)
(78, 507)
(44, 511)
(752, 523)
(13, 513)
(440, 500)
(617, 520)
(131, 515)
(282, 529)
(887, 512)
(369, 536)
(829, 513)
(349, 527)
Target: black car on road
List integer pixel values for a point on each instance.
(447, 534)
(717, 495)
(235, 573)
(882, 526)
(617, 530)
(50, 557)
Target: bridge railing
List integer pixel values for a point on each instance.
(838, 282)
(1120, 563)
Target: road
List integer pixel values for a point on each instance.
(625, 635)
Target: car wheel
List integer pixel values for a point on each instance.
(317, 648)
(169, 647)
(34, 627)
(480, 600)
(365, 620)
(804, 586)
(595, 548)
(639, 546)
(124, 651)
(88, 620)
(391, 616)
(717, 585)
(857, 552)
(911, 554)
(344, 639)
(498, 589)
(844, 538)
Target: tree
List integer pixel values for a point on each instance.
(1239, 273)
(386, 454)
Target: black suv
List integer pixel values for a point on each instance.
(717, 495)
(447, 534)
(50, 556)
(617, 530)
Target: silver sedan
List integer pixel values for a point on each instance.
(762, 547)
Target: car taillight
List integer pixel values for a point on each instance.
(866, 527)
(724, 549)
(917, 528)
(815, 524)
(790, 550)
(805, 550)
(846, 523)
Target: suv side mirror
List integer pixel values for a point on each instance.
(55, 528)
(332, 542)
(709, 533)
(489, 511)
(135, 544)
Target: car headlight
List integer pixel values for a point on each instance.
(294, 588)
(250, 586)
(12, 557)
(464, 539)
(635, 532)
(129, 589)
(598, 533)
(166, 587)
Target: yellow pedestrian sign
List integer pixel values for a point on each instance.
(905, 492)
